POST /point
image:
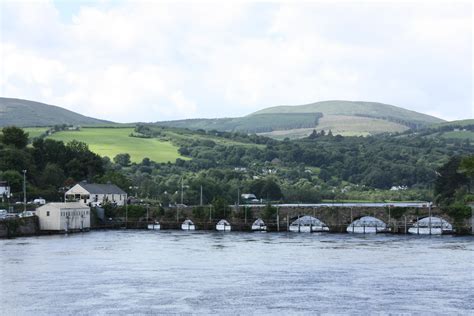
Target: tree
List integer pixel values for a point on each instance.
(313, 135)
(49, 151)
(115, 178)
(324, 175)
(53, 175)
(122, 159)
(271, 190)
(17, 159)
(14, 136)
(269, 212)
(448, 181)
(466, 167)
(199, 212)
(14, 179)
(221, 209)
(81, 163)
(265, 189)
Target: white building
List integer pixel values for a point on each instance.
(4, 190)
(248, 196)
(64, 216)
(96, 194)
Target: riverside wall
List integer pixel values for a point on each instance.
(16, 227)
(336, 218)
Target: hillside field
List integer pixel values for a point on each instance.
(34, 132)
(342, 125)
(112, 141)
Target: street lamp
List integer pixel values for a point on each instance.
(24, 190)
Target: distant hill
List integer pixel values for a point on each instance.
(24, 113)
(341, 117)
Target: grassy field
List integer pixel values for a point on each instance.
(357, 126)
(35, 131)
(342, 125)
(455, 123)
(112, 141)
(174, 136)
(459, 135)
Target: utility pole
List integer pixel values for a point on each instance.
(472, 218)
(200, 201)
(429, 214)
(278, 219)
(182, 189)
(238, 197)
(389, 217)
(24, 190)
(126, 214)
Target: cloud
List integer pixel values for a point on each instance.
(149, 61)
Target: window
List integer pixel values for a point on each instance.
(47, 213)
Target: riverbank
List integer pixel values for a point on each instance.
(337, 218)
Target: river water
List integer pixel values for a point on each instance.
(174, 272)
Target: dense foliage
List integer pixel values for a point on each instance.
(50, 165)
(321, 166)
(225, 164)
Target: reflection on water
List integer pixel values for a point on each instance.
(174, 272)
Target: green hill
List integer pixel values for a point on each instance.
(24, 113)
(341, 117)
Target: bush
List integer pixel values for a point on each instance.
(459, 212)
(199, 212)
(269, 212)
(136, 211)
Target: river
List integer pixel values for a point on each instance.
(174, 272)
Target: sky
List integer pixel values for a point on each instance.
(131, 61)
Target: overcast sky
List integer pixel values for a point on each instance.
(147, 61)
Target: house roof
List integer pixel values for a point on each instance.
(97, 188)
(68, 205)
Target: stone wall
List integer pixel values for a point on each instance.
(16, 227)
(337, 218)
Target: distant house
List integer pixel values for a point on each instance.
(96, 194)
(67, 217)
(249, 198)
(4, 190)
(398, 188)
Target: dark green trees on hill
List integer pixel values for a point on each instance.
(14, 136)
(49, 164)
(453, 186)
(266, 189)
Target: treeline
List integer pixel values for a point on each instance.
(412, 124)
(378, 161)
